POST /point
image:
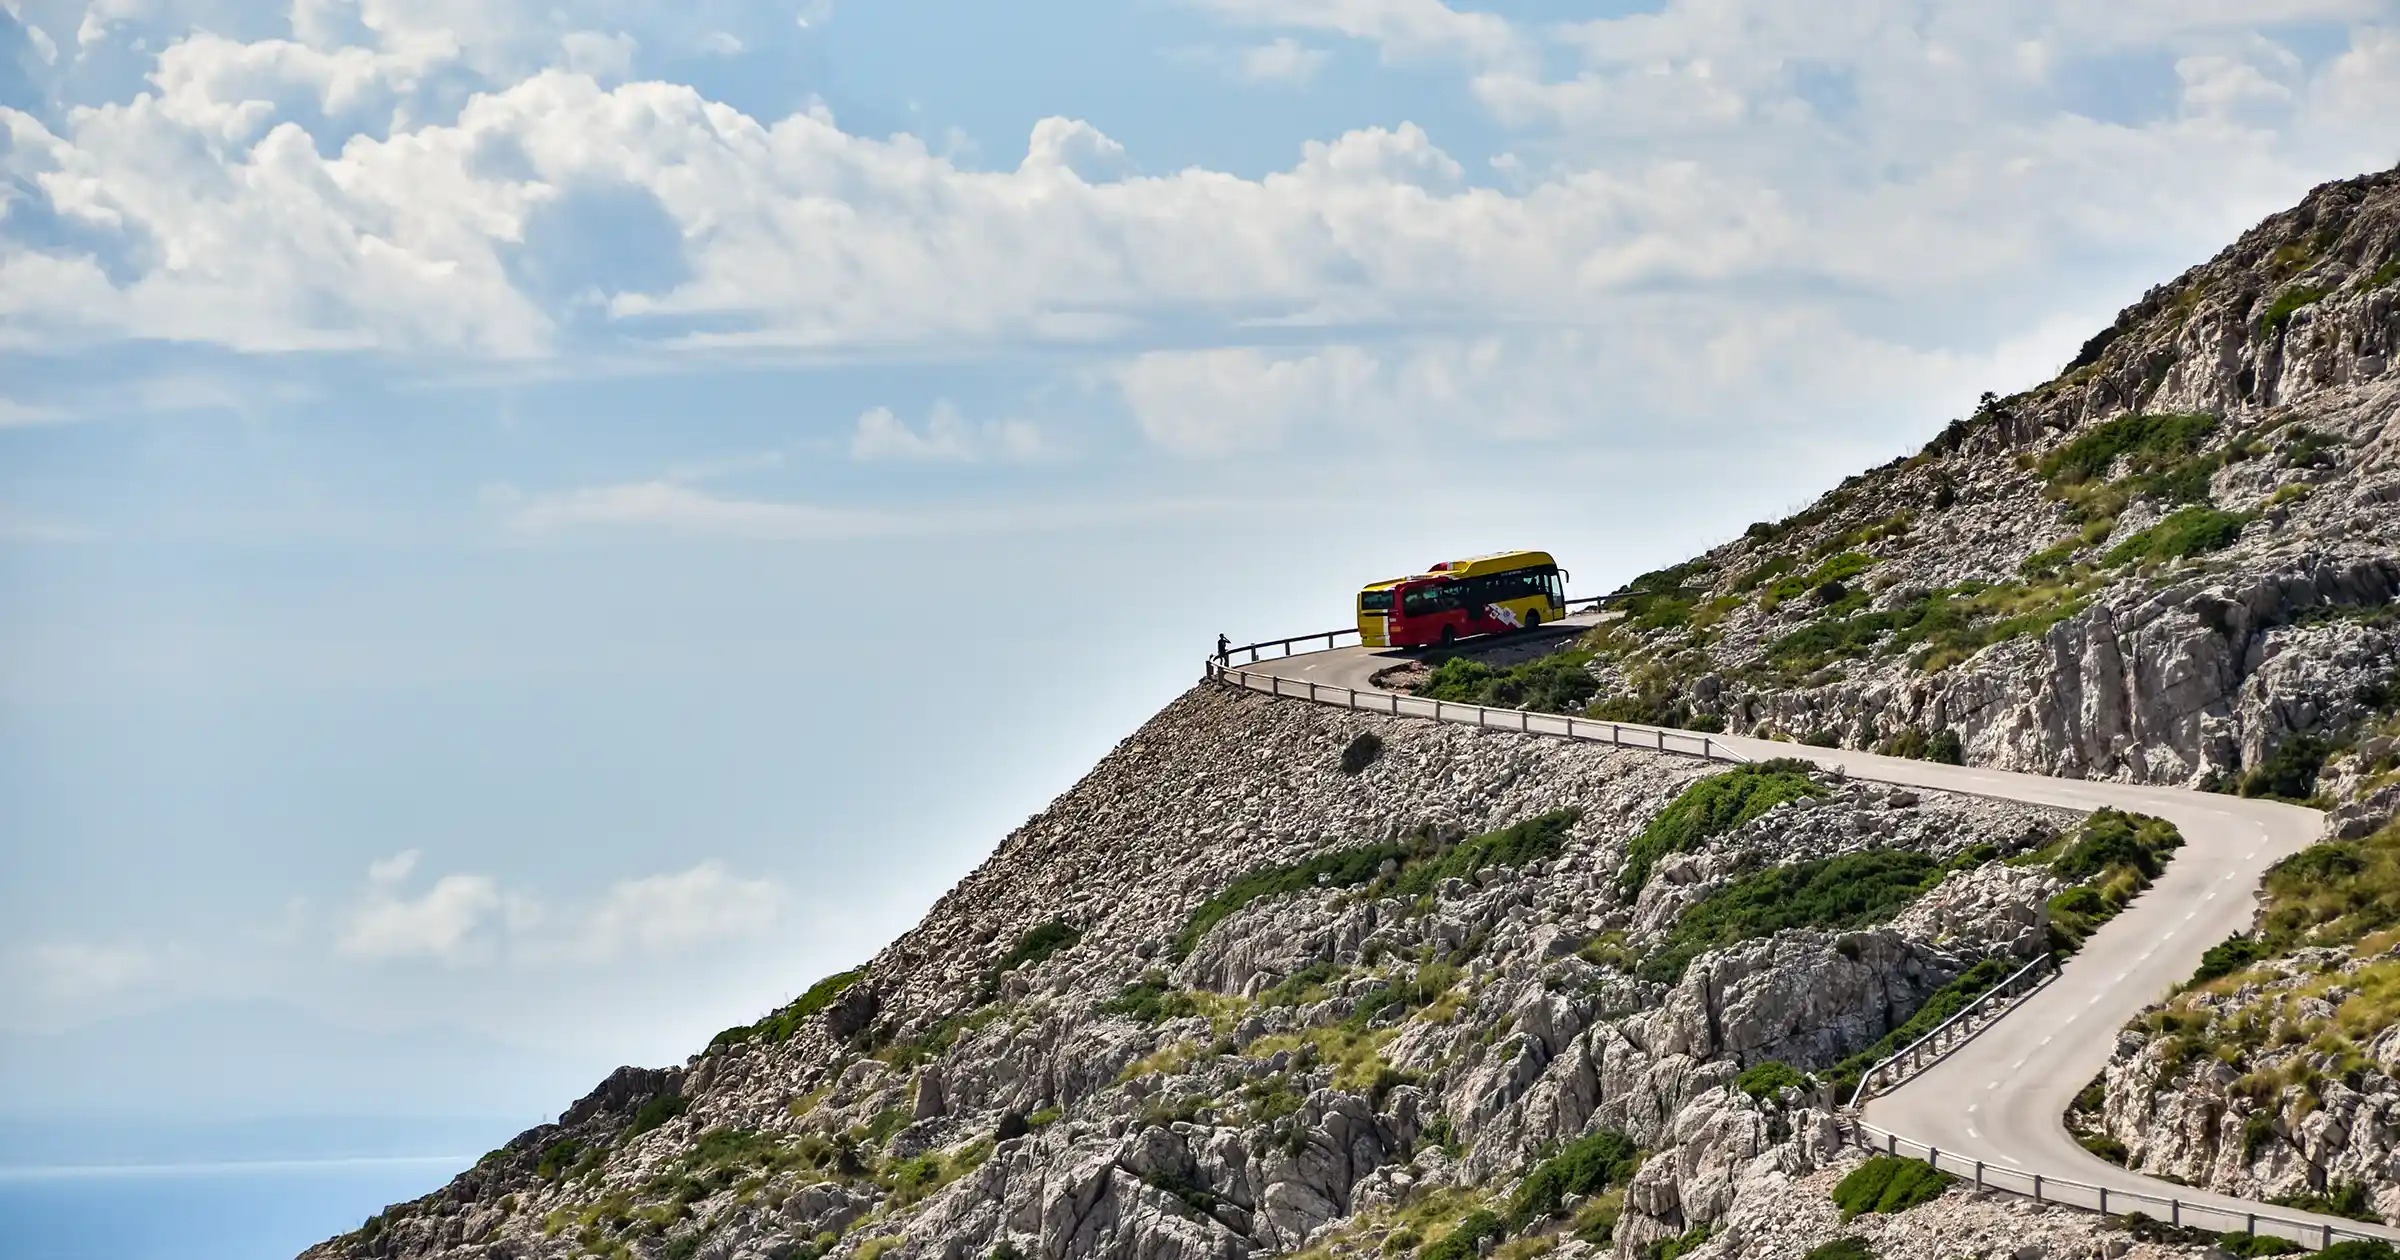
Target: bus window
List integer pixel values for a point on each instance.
(1375, 601)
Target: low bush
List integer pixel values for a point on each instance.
(2189, 532)
(1035, 947)
(2285, 304)
(1557, 683)
(2333, 893)
(1465, 1241)
(1712, 807)
(2114, 838)
(2357, 1249)
(2147, 443)
(1675, 1248)
(2105, 1147)
(1421, 867)
(1770, 1079)
(1149, 1001)
(2290, 772)
(1587, 1165)
(2342, 1198)
(655, 1112)
(778, 1027)
(1946, 1001)
(2228, 956)
(2241, 1244)
(1888, 1184)
(2116, 855)
(1842, 1249)
(1853, 890)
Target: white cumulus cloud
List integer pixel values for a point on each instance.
(945, 436)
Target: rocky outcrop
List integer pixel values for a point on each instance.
(2288, 1117)
(2083, 658)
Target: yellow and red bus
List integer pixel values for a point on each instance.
(1494, 594)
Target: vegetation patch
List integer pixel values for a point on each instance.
(1675, 1248)
(1943, 627)
(1941, 746)
(2285, 304)
(1558, 683)
(1946, 1001)
(1465, 1240)
(2343, 1198)
(779, 1027)
(2290, 772)
(1587, 1165)
(2189, 532)
(1421, 865)
(657, 1111)
(1842, 1249)
(1889, 1184)
(1713, 806)
(2114, 856)
(1853, 890)
(1771, 1078)
(1149, 1001)
(2242, 1244)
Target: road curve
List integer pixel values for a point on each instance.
(2000, 1097)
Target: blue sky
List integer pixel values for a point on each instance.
(533, 532)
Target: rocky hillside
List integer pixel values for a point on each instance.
(1280, 980)
(2167, 564)
(1276, 978)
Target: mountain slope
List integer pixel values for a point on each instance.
(1275, 978)
(2160, 566)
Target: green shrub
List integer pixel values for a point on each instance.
(1946, 748)
(1463, 1242)
(1840, 568)
(1888, 1184)
(2147, 443)
(2280, 312)
(2114, 838)
(2384, 275)
(2190, 531)
(2116, 855)
(2105, 1147)
(2238, 1243)
(779, 1027)
(1676, 1247)
(1711, 807)
(2333, 893)
(1361, 752)
(1149, 1001)
(1556, 683)
(2354, 1249)
(2343, 1198)
(1770, 1079)
(1853, 890)
(1842, 1249)
(1423, 866)
(2257, 1131)
(1518, 844)
(2228, 956)
(1587, 1165)
(2290, 772)
(657, 1111)
(1946, 1001)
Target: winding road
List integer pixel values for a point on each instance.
(1998, 1098)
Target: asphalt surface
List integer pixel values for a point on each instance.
(2000, 1096)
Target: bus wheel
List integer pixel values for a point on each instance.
(1533, 620)
(1449, 635)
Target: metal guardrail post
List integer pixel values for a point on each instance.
(1979, 1174)
(2103, 1200)
(2037, 1187)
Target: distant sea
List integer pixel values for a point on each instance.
(142, 1188)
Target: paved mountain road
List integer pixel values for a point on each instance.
(2000, 1097)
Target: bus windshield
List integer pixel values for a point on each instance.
(1375, 601)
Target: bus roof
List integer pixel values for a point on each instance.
(1497, 562)
(1387, 583)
